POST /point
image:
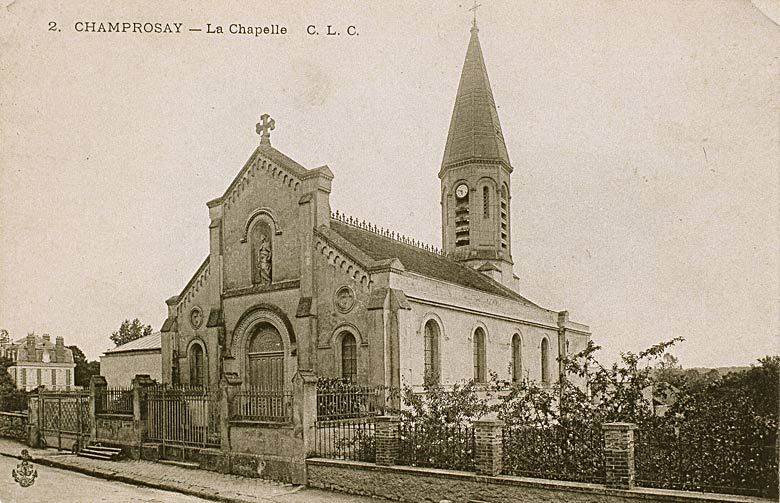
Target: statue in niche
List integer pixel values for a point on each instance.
(262, 254)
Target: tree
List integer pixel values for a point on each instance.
(84, 369)
(11, 399)
(130, 331)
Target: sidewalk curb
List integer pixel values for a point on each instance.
(155, 484)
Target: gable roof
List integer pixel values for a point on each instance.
(423, 262)
(270, 153)
(148, 343)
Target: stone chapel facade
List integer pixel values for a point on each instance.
(290, 285)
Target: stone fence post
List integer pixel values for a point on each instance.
(139, 383)
(229, 386)
(619, 455)
(97, 384)
(305, 409)
(33, 420)
(488, 448)
(387, 436)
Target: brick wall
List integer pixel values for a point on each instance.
(401, 483)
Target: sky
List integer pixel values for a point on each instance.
(644, 137)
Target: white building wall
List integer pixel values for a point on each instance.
(27, 377)
(456, 345)
(459, 311)
(120, 368)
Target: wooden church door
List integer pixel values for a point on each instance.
(266, 371)
(266, 359)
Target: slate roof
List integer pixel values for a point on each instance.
(422, 262)
(475, 131)
(148, 343)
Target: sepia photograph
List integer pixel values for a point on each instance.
(479, 251)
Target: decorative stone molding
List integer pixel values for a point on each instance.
(342, 262)
(192, 288)
(258, 212)
(259, 166)
(344, 299)
(264, 313)
(480, 324)
(430, 315)
(196, 317)
(343, 327)
(273, 287)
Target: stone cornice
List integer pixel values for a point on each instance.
(496, 316)
(193, 285)
(475, 161)
(273, 287)
(344, 261)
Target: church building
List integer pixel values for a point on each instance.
(290, 284)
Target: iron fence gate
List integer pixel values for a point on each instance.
(182, 416)
(64, 413)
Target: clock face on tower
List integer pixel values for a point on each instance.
(461, 191)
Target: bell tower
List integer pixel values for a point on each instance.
(475, 176)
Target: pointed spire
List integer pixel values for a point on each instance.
(475, 132)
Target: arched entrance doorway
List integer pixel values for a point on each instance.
(265, 358)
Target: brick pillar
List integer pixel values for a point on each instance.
(387, 436)
(488, 440)
(96, 384)
(619, 454)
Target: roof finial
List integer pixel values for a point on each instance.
(474, 10)
(264, 128)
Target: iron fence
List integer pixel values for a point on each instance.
(340, 400)
(116, 400)
(560, 452)
(187, 416)
(713, 463)
(437, 446)
(257, 404)
(351, 439)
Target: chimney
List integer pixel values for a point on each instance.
(563, 318)
(30, 346)
(47, 337)
(59, 347)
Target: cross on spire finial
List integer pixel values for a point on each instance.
(264, 128)
(474, 10)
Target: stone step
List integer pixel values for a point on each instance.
(182, 464)
(107, 450)
(86, 453)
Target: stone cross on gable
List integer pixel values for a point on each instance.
(264, 128)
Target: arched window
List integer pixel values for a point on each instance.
(432, 372)
(545, 360)
(517, 359)
(197, 374)
(485, 202)
(479, 355)
(348, 357)
(266, 358)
